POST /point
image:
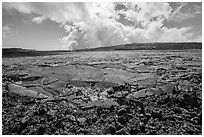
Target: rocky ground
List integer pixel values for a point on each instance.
(121, 92)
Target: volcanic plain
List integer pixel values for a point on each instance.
(103, 92)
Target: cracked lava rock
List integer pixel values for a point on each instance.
(40, 99)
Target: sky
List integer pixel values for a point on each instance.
(53, 26)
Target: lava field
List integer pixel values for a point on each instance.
(98, 93)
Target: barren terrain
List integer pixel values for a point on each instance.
(113, 92)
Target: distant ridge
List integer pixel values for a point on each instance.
(12, 50)
(19, 52)
(149, 46)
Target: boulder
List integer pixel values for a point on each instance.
(108, 103)
(161, 71)
(109, 91)
(41, 90)
(81, 121)
(42, 110)
(122, 111)
(141, 94)
(167, 88)
(23, 91)
(122, 120)
(124, 87)
(111, 129)
(31, 78)
(122, 132)
(150, 91)
(190, 100)
(148, 83)
(157, 114)
(71, 118)
(12, 76)
(48, 80)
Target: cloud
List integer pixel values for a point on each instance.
(146, 12)
(59, 12)
(184, 11)
(6, 30)
(38, 19)
(104, 24)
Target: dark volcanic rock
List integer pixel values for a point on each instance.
(125, 87)
(161, 71)
(100, 103)
(81, 121)
(122, 120)
(134, 131)
(122, 132)
(122, 111)
(12, 76)
(157, 114)
(82, 95)
(31, 78)
(42, 110)
(111, 129)
(110, 91)
(190, 100)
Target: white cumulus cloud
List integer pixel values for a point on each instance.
(99, 24)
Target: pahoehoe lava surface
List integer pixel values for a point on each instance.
(115, 92)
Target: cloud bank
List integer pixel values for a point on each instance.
(104, 24)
